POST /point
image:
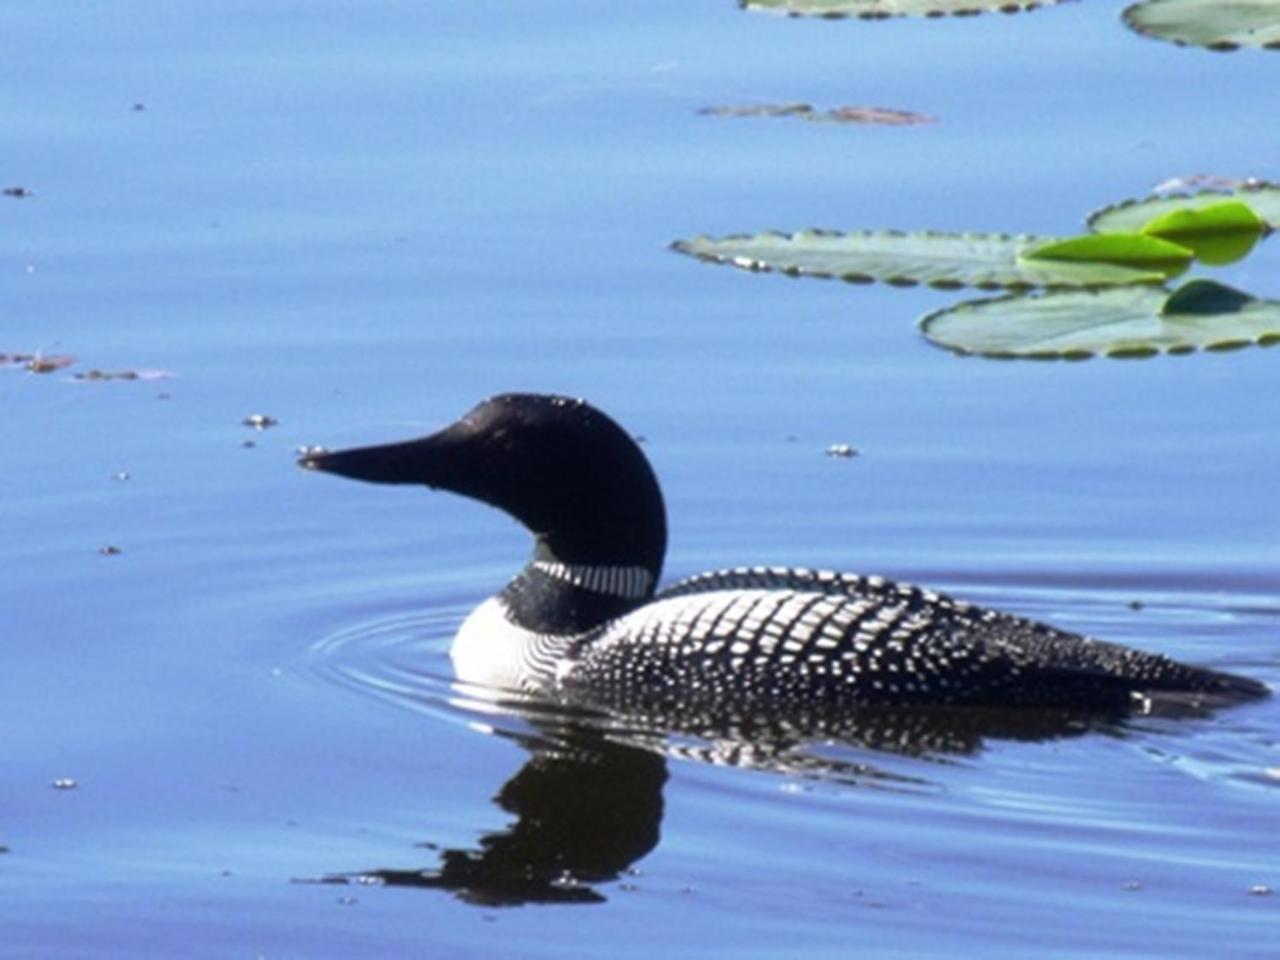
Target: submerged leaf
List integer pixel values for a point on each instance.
(1214, 24)
(1123, 249)
(1124, 322)
(944, 260)
(1218, 233)
(882, 9)
(1130, 216)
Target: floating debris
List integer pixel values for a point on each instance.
(841, 450)
(1132, 885)
(35, 362)
(1260, 890)
(139, 107)
(100, 375)
(259, 421)
(4, 850)
(49, 364)
(120, 475)
(1136, 605)
(42, 363)
(110, 551)
(64, 783)
(17, 192)
(1198, 182)
(883, 116)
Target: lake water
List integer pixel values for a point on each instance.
(360, 219)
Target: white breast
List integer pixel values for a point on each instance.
(490, 650)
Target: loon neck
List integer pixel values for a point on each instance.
(552, 597)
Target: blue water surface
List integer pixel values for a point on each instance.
(360, 219)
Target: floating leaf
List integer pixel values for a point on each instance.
(988, 261)
(883, 9)
(1123, 249)
(1122, 322)
(1219, 233)
(1131, 216)
(1215, 24)
(1204, 298)
(883, 116)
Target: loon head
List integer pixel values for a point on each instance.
(571, 475)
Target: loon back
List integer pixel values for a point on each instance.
(581, 621)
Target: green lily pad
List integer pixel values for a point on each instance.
(1220, 233)
(1124, 322)
(1214, 24)
(1132, 216)
(883, 9)
(989, 261)
(1123, 249)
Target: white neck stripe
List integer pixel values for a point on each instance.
(633, 583)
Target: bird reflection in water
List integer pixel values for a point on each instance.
(588, 802)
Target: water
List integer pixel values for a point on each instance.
(362, 220)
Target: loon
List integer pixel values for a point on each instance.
(583, 624)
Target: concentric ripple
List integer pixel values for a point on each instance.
(400, 657)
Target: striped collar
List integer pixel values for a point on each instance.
(631, 583)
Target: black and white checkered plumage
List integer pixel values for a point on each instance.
(582, 623)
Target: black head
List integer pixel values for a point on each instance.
(566, 471)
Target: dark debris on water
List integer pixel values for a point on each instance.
(883, 116)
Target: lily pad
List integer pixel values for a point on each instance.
(1123, 249)
(1132, 216)
(988, 261)
(883, 9)
(1213, 24)
(1124, 322)
(1218, 234)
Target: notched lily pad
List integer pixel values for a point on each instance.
(882, 116)
(1123, 322)
(989, 261)
(1213, 24)
(1123, 249)
(883, 9)
(1131, 216)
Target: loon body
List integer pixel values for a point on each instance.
(583, 623)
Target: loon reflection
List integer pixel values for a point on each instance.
(588, 802)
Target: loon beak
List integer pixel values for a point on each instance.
(425, 461)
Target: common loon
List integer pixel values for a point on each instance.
(581, 623)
